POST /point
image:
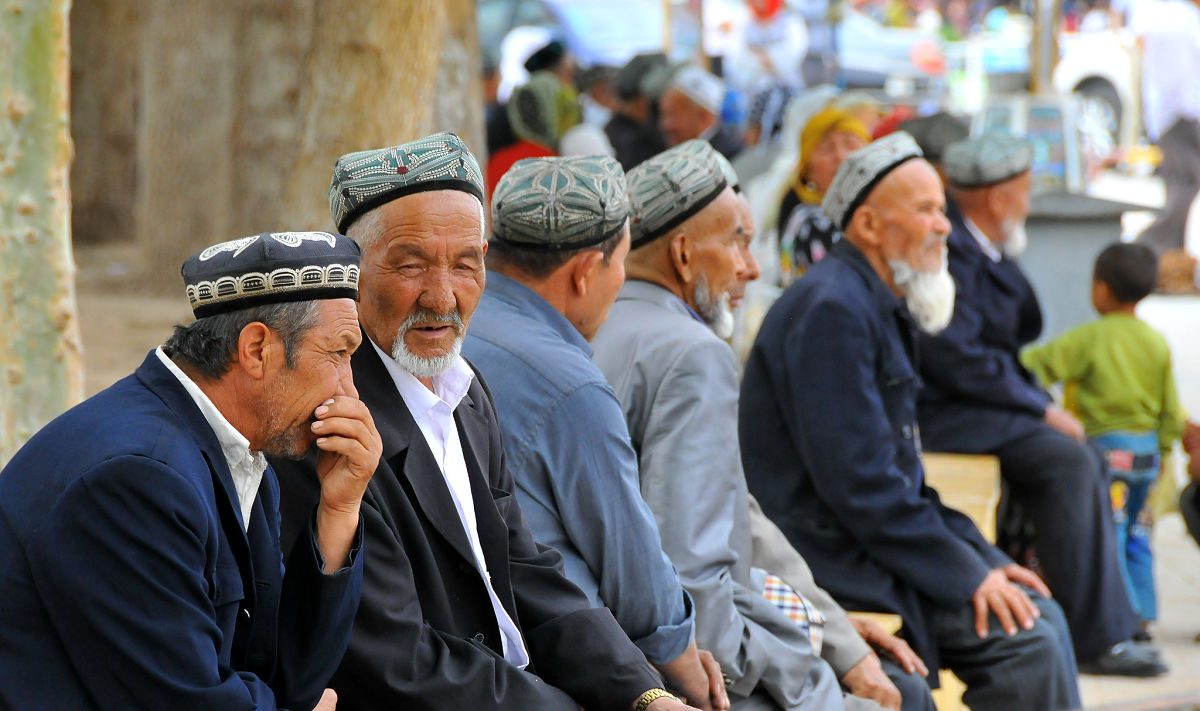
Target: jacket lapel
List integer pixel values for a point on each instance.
(474, 431)
(155, 376)
(405, 449)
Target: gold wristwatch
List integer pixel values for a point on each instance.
(650, 697)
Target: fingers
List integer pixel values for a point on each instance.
(344, 426)
(1028, 578)
(903, 655)
(328, 701)
(716, 681)
(979, 602)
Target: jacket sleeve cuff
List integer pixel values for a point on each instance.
(666, 643)
(355, 547)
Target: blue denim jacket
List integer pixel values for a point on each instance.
(568, 448)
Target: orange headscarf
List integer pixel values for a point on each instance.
(824, 122)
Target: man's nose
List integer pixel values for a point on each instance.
(345, 382)
(751, 271)
(437, 293)
(942, 225)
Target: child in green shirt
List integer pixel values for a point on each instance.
(1118, 380)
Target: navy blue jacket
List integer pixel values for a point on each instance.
(128, 582)
(975, 389)
(827, 423)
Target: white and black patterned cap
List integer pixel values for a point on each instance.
(987, 160)
(862, 170)
(666, 190)
(367, 179)
(271, 268)
(562, 203)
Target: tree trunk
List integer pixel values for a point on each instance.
(246, 104)
(40, 358)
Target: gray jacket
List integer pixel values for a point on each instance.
(678, 386)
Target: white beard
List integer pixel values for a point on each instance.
(1015, 238)
(928, 295)
(414, 364)
(717, 313)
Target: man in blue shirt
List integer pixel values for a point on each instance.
(555, 258)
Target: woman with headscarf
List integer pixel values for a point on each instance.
(540, 112)
(805, 233)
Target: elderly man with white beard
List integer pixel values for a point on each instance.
(827, 424)
(977, 398)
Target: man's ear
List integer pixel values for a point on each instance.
(256, 349)
(680, 248)
(996, 200)
(583, 269)
(869, 224)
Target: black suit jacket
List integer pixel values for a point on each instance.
(425, 635)
(976, 392)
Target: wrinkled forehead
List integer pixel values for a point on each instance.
(447, 214)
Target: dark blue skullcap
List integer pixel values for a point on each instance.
(271, 268)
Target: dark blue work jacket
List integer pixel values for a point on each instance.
(827, 423)
(976, 393)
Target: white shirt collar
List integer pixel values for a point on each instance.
(449, 388)
(433, 412)
(245, 466)
(988, 247)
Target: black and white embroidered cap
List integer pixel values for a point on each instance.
(271, 268)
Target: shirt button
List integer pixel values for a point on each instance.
(478, 637)
(906, 431)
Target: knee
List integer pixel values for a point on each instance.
(914, 690)
(1049, 642)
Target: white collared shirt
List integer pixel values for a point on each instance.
(245, 466)
(988, 247)
(434, 415)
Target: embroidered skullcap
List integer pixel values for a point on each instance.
(987, 160)
(862, 170)
(271, 268)
(705, 89)
(560, 203)
(367, 179)
(935, 133)
(727, 169)
(664, 191)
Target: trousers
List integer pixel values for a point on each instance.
(1060, 484)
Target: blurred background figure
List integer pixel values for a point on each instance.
(691, 108)
(633, 128)
(761, 135)
(540, 111)
(597, 94)
(1169, 33)
(768, 50)
(805, 233)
